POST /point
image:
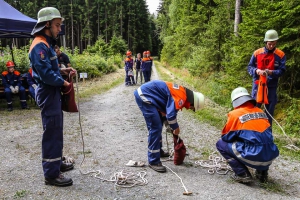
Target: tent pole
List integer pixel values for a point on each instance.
(64, 41)
(12, 53)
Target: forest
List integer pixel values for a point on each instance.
(212, 39)
(87, 20)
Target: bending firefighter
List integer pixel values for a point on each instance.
(247, 139)
(158, 100)
(47, 75)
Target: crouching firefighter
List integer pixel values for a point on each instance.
(46, 73)
(247, 139)
(158, 99)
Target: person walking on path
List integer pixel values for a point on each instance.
(158, 100)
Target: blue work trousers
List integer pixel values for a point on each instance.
(154, 126)
(237, 166)
(22, 95)
(147, 75)
(48, 98)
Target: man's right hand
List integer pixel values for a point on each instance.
(176, 131)
(260, 72)
(66, 83)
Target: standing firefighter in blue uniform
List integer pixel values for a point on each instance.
(247, 139)
(47, 74)
(267, 61)
(157, 100)
(13, 85)
(129, 78)
(146, 66)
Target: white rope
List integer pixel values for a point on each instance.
(124, 179)
(186, 191)
(121, 179)
(215, 164)
(289, 146)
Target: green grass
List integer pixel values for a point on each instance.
(93, 89)
(20, 194)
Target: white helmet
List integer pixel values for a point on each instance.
(240, 96)
(198, 101)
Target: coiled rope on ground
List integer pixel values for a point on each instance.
(124, 179)
(215, 164)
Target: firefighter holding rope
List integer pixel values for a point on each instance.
(47, 74)
(267, 63)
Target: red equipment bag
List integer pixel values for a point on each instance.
(262, 90)
(68, 103)
(179, 150)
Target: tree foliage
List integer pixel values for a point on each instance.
(86, 20)
(199, 35)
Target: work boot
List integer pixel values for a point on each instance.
(242, 178)
(66, 166)
(164, 154)
(9, 107)
(24, 105)
(158, 167)
(262, 175)
(60, 181)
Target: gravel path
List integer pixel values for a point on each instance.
(114, 133)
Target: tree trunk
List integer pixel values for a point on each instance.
(72, 28)
(237, 18)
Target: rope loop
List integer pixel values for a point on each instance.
(215, 164)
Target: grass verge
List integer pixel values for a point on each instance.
(99, 85)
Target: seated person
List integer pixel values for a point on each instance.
(63, 59)
(12, 85)
(31, 83)
(247, 139)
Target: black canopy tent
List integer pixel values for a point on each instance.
(14, 24)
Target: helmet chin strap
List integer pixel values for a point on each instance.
(50, 29)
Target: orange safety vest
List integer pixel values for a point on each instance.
(179, 95)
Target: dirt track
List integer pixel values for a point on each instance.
(115, 132)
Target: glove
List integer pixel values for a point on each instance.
(12, 89)
(16, 89)
(34, 86)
